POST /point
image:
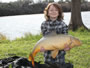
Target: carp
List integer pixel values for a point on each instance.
(54, 42)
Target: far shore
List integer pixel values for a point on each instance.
(10, 9)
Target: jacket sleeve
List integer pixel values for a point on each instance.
(64, 29)
(44, 29)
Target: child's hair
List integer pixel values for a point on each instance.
(57, 6)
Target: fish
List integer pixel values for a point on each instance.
(54, 42)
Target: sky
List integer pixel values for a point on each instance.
(7, 0)
(16, 0)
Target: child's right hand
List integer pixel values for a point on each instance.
(42, 49)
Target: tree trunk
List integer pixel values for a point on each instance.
(76, 20)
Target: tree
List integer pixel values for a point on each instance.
(60, 1)
(83, 1)
(68, 0)
(30, 1)
(76, 19)
(39, 1)
(51, 0)
(48, 1)
(45, 1)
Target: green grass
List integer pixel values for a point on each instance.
(79, 56)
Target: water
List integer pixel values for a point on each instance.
(16, 26)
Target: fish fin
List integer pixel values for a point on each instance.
(32, 55)
(36, 51)
(54, 53)
(31, 58)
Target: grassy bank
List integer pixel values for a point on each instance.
(79, 56)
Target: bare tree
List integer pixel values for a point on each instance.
(76, 19)
(30, 1)
(60, 1)
(45, 0)
(39, 1)
(51, 0)
(68, 0)
(83, 1)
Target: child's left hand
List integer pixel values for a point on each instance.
(67, 48)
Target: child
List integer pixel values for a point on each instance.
(54, 22)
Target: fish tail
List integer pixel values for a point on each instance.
(31, 58)
(32, 55)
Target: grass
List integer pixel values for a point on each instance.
(79, 56)
(2, 37)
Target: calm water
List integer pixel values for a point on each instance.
(16, 26)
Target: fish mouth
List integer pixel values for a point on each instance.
(79, 43)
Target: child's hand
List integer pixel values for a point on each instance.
(67, 48)
(42, 49)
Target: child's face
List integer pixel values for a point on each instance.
(53, 12)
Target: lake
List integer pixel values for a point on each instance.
(16, 26)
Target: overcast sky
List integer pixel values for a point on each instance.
(16, 0)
